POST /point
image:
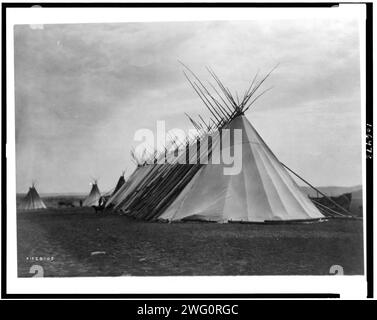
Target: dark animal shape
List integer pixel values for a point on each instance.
(65, 204)
(101, 205)
(98, 208)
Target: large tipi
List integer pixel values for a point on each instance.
(94, 196)
(32, 200)
(261, 191)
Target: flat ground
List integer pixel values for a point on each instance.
(139, 248)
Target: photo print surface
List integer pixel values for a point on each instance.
(198, 148)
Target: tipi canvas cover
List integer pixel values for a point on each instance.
(93, 198)
(119, 184)
(32, 201)
(262, 190)
(132, 182)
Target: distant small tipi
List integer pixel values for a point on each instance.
(32, 200)
(93, 198)
(120, 183)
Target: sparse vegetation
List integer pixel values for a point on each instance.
(132, 247)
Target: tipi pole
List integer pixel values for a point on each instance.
(216, 116)
(327, 209)
(310, 185)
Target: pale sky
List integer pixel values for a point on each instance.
(83, 90)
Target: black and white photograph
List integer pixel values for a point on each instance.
(190, 147)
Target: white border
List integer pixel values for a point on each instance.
(348, 286)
